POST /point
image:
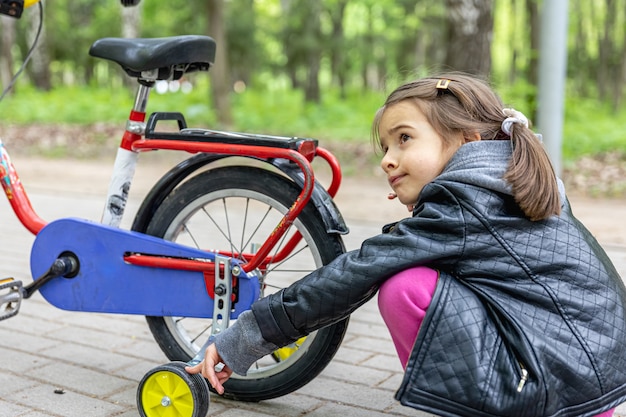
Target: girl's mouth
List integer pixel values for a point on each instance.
(393, 180)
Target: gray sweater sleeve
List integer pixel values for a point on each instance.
(242, 344)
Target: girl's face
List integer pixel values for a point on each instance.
(414, 153)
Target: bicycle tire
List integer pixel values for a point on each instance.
(206, 201)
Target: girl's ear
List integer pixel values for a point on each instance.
(473, 137)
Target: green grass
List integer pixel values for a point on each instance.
(590, 127)
(72, 105)
(287, 114)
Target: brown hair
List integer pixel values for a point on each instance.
(467, 105)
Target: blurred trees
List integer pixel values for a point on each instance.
(221, 69)
(470, 29)
(319, 45)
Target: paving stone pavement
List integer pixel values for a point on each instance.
(56, 363)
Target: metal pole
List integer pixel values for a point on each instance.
(552, 74)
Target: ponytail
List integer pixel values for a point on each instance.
(531, 175)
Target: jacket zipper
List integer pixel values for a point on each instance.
(523, 378)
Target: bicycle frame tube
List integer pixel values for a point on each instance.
(333, 163)
(119, 187)
(293, 241)
(244, 150)
(125, 161)
(17, 195)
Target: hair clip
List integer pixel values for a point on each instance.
(442, 84)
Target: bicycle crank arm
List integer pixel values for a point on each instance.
(65, 265)
(105, 283)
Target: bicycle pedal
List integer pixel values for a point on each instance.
(10, 297)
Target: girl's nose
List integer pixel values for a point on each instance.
(388, 162)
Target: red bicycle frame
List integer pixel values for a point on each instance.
(302, 156)
(260, 259)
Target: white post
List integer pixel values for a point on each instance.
(552, 75)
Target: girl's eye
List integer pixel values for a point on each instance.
(404, 137)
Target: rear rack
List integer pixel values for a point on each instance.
(216, 136)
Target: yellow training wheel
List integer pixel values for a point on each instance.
(169, 391)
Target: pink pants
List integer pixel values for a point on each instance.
(403, 300)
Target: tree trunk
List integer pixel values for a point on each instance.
(131, 21)
(39, 68)
(367, 55)
(578, 57)
(620, 78)
(220, 74)
(302, 43)
(606, 68)
(470, 29)
(287, 38)
(337, 62)
(7, 24)
(244, 49)
(131, 25)
(312, 92)
(532, 8)
(532, 69)
(313, 53)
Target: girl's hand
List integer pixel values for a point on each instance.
(208, 366)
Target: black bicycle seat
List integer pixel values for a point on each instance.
(171, 56)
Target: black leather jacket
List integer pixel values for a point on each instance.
(528, 318)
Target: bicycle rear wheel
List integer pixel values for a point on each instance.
(233, 209)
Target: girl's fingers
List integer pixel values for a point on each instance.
(207, 369)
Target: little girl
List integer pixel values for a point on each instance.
(499, 302)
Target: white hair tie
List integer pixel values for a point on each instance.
(513, 117)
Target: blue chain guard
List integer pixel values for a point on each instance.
(107, 284)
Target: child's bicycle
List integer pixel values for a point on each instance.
(241, 218)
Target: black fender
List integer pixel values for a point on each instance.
(320, 198)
